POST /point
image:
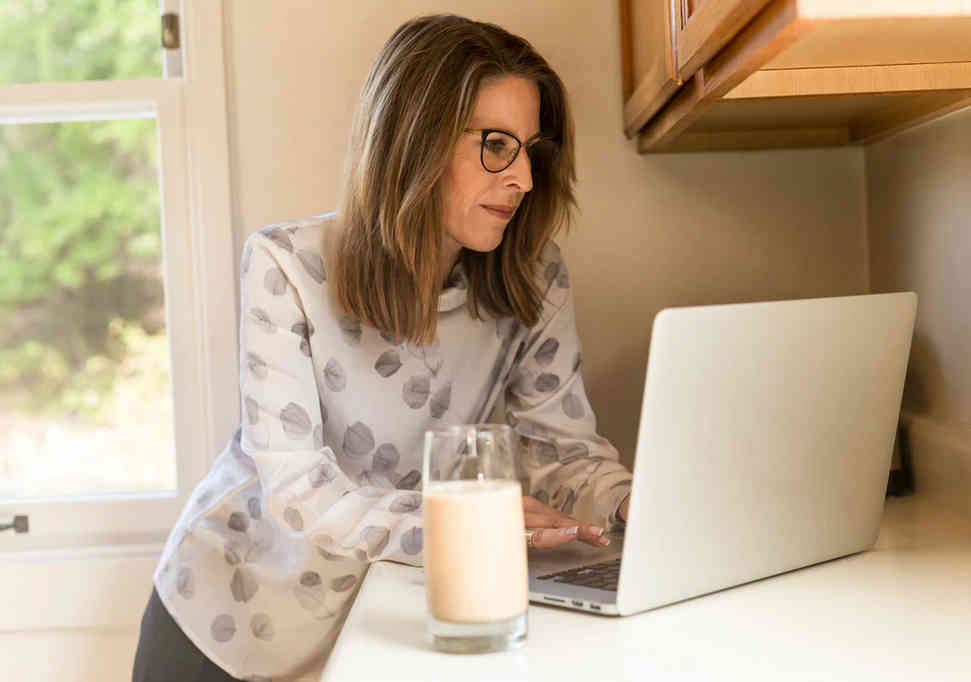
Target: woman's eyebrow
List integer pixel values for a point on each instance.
(538, 133)
(528, 139)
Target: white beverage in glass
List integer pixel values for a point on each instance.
(476, 580)
(475, 556)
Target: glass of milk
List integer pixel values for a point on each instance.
(475, 552)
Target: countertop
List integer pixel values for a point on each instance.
(901, 611)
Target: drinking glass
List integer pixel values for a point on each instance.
(475, 553)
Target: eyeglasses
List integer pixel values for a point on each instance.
(500, 148)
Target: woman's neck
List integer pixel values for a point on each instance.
(450, 256)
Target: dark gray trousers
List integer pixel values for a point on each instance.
(165, 654)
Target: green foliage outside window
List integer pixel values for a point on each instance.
(80, 247)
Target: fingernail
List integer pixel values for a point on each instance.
(572, 530)
(604, 542)
(597, 530)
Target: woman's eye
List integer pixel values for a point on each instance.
(495, 146)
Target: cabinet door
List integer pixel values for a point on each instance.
(648, 59)
(703, 27)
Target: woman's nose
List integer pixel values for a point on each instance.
(520, 173)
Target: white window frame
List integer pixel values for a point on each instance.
(199, 261)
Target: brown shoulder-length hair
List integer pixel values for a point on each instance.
(417, 99)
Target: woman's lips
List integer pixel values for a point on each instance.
(499, 213)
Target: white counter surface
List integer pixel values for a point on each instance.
(901, 611)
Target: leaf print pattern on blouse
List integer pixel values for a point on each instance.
(539, 454)
(441, 400)
(385, 458)
(350, 331)
(343, 583)
(388, 363)
(274, 281)
(376, 538)
(415, 391)
(262, 320)
(310, 579)
(411, 541)
(544, 356)
(313, 264)
(551, 272)
(301, 330)
(279, 237)
(572, 407)
(547, 383)
(294, 518)
(256, 365)
(358, 440)
(262, 627)
(295, 421)
(409, 481)
(238, 522)
(334, 376)
(405, 504)
(324, 472)
(185, 583)
(244, 584)
(223, 628)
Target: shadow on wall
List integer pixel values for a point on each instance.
(923, 373)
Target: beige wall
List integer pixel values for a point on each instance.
(654, 231)
(918, 187)
(919, 207)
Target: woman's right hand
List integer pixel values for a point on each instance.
(554, 528)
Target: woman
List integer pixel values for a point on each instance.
(434, 289)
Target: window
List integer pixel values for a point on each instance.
(113, 315)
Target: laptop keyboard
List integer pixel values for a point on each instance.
(603, 576)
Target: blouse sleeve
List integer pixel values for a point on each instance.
(566, 464)
(283, 417)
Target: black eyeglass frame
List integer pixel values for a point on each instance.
(536, 139)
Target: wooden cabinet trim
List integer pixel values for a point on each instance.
(894, 119)
(712, 26)
(646, 92)
(772, 30)
(853, 80)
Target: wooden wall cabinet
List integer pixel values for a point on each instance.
(704, 75)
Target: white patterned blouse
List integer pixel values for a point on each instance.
(323, 475)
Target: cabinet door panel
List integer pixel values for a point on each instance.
(650, 76)
(705, 26)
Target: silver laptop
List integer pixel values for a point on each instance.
(765, 443)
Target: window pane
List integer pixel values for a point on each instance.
(58, 40)
(85, 400)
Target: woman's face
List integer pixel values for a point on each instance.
(511, 104)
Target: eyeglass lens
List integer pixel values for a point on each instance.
(499, 150)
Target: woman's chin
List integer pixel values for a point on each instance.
(484, 245)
